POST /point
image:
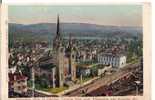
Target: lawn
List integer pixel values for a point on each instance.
(51, 90)
(55, 90)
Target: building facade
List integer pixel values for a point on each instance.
(115, 60)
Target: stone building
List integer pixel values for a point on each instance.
(58, 64)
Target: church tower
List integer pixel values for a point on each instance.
(58, 54)
(71, 59)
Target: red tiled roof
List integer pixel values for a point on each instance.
(16, 77)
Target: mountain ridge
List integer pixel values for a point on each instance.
(76, 29)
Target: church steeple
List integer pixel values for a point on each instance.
(57, 40)
(58, 54)
(58, 27)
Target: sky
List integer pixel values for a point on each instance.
(116, 15)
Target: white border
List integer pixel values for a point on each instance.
(147, 39)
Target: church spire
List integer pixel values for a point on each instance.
(57, 40)
(58, 27)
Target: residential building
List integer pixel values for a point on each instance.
(17, 83)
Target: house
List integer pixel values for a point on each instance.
(17, 83)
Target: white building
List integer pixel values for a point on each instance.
(115, 60)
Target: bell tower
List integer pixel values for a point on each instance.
(58, 54)
(72, 70)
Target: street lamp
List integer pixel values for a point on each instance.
(137, 84)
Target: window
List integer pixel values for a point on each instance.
(23, 81)
(113, 63)
(19, 87)
(18, 82)
(24, 87)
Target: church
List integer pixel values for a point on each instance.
(58, 64)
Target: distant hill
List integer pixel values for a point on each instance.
(76, 29)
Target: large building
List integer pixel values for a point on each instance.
(58, 64)
(115, 60)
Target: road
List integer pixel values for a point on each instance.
(107, 79)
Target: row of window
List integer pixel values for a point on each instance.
(21, 87)
(108, 58)
(109, 62)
